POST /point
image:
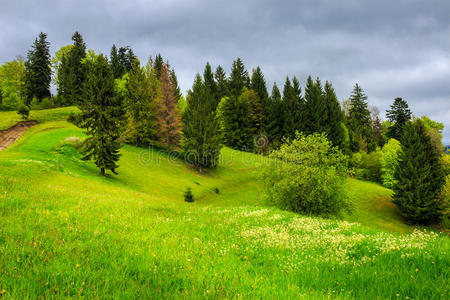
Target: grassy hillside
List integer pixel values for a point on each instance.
(66, 231)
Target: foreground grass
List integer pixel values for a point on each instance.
(67, 232)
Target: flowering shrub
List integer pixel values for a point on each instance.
(306, 175)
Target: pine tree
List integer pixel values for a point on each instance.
(335, 117)
(209, 82)
(419, 176)
(276, 117)
(378, 131)
(139, 106)
(114, 61)
(316, 111)
(76, 56)
(168, 114)
(38, 70)
(100, 116)
(158, 64)
(256, 112)
(258, 84)
(399, 115)
(176, 87)
(299, 106)
(236, 125)
(289, 109)
(359, 122)
(221, 83)
(126, 58)
(201, 135)
(239, 78)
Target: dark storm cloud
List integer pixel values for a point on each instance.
(392, 48)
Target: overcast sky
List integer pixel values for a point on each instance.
(397, 48)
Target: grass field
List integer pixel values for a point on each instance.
(9, 118)
(65, 231)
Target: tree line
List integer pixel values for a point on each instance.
(124, 101)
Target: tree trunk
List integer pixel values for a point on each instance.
(102, 171)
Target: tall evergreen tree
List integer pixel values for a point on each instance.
(236, 125)
(201, 135)
(158, 64)
(114, 61)
(176, 87)
(276, 117)
(399, 115)
(100, 116)
(256, 111)
(289, 109)
(239, 78)
(316, 112)
(140, 106)
(126, 58)
(419, 176)
(335, 117)
(222, 85)
(168, 114)
(38, 70)
(208, 79)
(359, 122)
(258, 84)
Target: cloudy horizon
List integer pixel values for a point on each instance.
(392, 49)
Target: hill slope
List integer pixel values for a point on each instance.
(66, 231)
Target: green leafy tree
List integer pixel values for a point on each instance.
(24, 111)
(201, 138)
(239, 78)
(56, 62)
(434, 130)
(12, 83)
(38, 70)
(306, 175)
(419, 177)
(100, 116)
(390, 156)
(359, 122)
(399, 115)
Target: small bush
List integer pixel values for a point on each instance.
(445, 204)
(306, 175)
(188, 196)
(216, 190)
(367, 166)
(23, 111)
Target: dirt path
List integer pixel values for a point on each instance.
(10, 135)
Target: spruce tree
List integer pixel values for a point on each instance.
(419, 176)
(299, 106)
(399, 115)
(378, 131)
(289, 109)
(201, 135)
(256, 111)
(176, 87)
(239, 78)
(38, 70)
(258, 84)
(100, 116)
(335, 117)
(126, 58)
(236, 125)
(158, 64)
(359, 122)
(76, 56)
(139, 105)
(316, 111)
(221, 83)
(114, 61)
(276, 117)
(209, 82)
(168, 114)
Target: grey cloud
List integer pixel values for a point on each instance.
(392, 48)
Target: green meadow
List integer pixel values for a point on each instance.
(66, 231)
